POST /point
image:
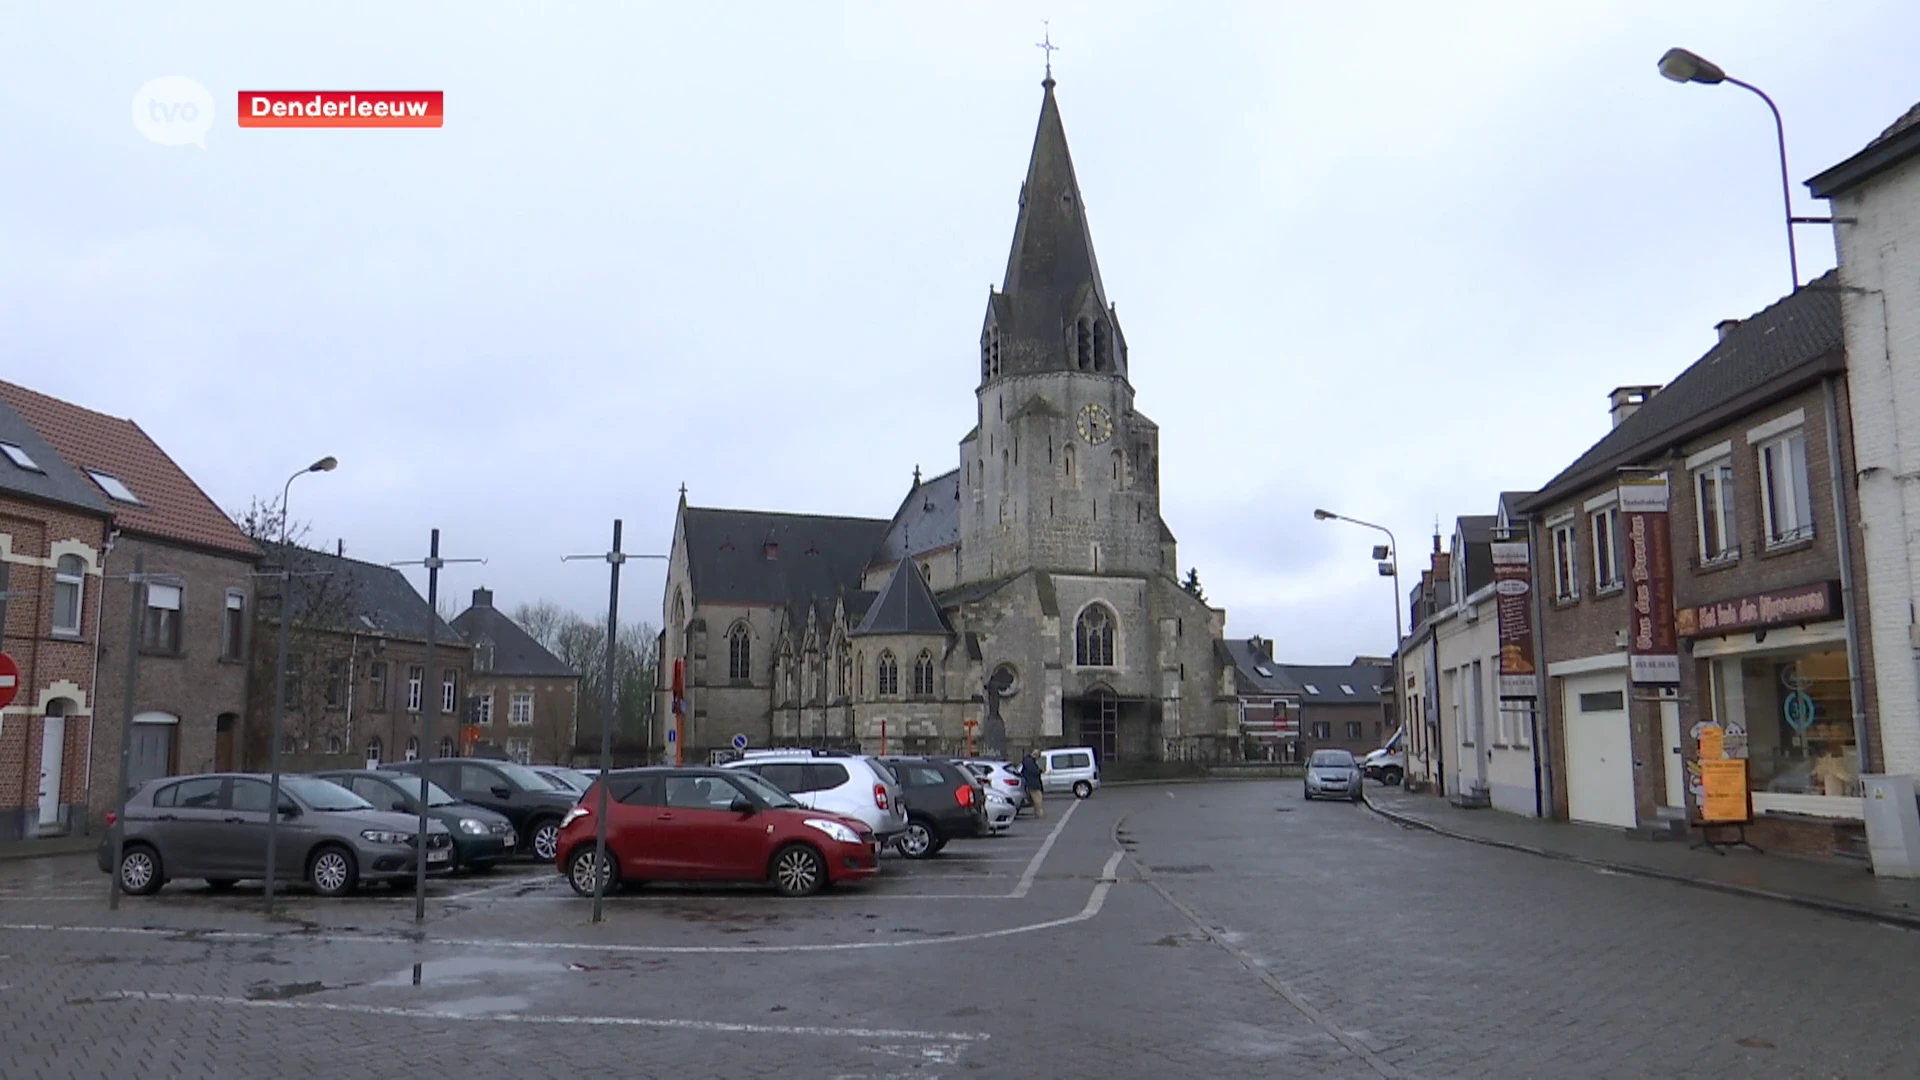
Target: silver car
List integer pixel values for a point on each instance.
(1002, 777)
(851, 785)
(215, 827)
(1333, 774)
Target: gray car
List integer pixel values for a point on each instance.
(1333, 774)
(215, 827)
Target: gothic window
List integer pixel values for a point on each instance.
(923, 675)
(889, 676)
(739, 652)
(1093, 637)
(1083, 345)
(1102, 346)
(860, 675)
(679, 611)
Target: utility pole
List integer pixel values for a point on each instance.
(433, 562)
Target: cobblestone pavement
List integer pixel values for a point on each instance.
(1219, 930)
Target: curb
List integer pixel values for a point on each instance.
(53, 851)
(1831, 907)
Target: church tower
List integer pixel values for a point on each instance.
(1060, 473)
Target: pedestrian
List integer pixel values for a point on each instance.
(1030, 779)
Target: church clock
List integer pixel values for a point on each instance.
(1095, 425)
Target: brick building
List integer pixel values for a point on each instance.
(1269, 702)
(193, 640)
(54, 532)
(522, 699)
(1419, 710)
(1307, 707)
(1753, 446)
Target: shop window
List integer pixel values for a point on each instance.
(1713, 495)
(1797, 715)
(1784, 496)
(1566, 562)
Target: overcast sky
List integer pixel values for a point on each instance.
(1385, 258)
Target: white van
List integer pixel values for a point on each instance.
(1072, 768)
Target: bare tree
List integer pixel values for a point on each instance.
(543, 620)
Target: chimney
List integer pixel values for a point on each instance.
(340, 548)
(483, 598)
(1725, 327)
(1626, 400)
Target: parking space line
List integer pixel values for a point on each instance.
(1033, 868)
(713, 1026)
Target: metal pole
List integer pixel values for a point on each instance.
(139, 590)
(1786, 185)
(276, 731)
(429, 707)
(614, 560)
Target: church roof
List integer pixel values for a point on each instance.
(928, 518)
(757, 557)
(905, 606)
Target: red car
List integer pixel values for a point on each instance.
(698, 824)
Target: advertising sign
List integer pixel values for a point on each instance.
(1513, 604)
(1805, 603)
(1724, 786)
(1653, 654)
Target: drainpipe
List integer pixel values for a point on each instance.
(1843, 531)
(353, 657)
(1542, 761)
(93, 683)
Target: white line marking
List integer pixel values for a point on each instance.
(589, 1021)
(505, 885)
(1033, 868)
(1095, 901)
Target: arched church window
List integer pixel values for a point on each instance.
(1102, 346)
(739, 652)
(679, 610)
(860, 675)
(1093, 637)
(923, 675)
(889, 675)
(1083, 344)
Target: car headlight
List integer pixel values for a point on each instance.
(473, 826)
(383, 836)
(834, 829)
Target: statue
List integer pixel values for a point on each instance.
(994, 729)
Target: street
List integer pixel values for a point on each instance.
(1220, 929)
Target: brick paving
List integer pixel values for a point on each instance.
(1243, 933)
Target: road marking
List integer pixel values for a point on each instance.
(1095, 901)
(1033, 868)
(715, 1026)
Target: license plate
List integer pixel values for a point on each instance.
(436, 856)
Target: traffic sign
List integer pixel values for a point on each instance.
(739, 742)
(9, 680)
(672, 735)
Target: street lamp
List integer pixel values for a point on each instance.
(1684, 67)
(1389, 560)
(325, 464)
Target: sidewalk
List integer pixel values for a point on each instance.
(42, 849)
(1828, 885)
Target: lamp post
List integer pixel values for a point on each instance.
(1389, 560)
(1684, 67)
(325, 464)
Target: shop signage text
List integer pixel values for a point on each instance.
(1808, 603)
(1653, 654)
(1513, 604)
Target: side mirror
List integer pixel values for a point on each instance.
(502, 791)
(741, 805)
(288, 810)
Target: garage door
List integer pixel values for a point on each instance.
(1599, 751)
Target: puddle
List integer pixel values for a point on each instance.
(459, 969)
(283, 991)
(484, 1006)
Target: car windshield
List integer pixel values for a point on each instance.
(321, 794)
(525, 778)
(771, 795)
(1331, 759)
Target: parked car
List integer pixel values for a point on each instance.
(527, 799)
(945, 801)
(1333, 773)
(1389, 766)
(1073, 768)
(481, 838)
(563, 778)
(706, 824)
(850, 785)
(1001, 776)
(1001, 810)
(214, 827)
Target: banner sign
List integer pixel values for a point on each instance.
(1806, 603)
(1653, 654)
(1513, 604)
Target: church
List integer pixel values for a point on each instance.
(1027, 598)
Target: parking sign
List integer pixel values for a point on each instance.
(739, 742)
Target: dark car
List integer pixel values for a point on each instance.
(703, 824)
(527, 799)
(945, 801)
(481, 838)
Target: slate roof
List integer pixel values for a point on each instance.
(1797, 329)
(905, 606)
(928, 518)
(817, 555)
(1322, 684)
(1899, 142)
(374, 599)
(171, 506)
(1254, 673)
(979, 590)
(515, 652)
(55, 481)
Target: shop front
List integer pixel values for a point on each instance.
(1775, 693)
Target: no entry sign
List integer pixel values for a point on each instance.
(9, 680)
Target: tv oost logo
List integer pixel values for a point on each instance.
(174, 111)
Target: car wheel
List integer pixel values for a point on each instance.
(917, 842)
(939, 846)
(221, 884)
(140, 870)
(798, 871)
(1355, 797)
(1082, 789)
(1391, 777)
(580, 872)
(333, 871)
(546, 840)
(1306, 793)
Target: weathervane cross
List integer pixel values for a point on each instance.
(1046, 42)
